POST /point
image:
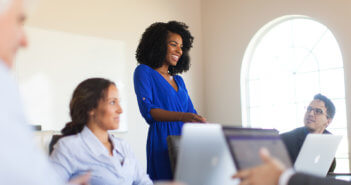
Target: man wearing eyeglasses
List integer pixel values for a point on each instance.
(319, 114)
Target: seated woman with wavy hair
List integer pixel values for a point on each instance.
(87, 146)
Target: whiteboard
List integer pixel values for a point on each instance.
(54, 63)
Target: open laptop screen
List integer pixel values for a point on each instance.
(317, 154)
(204, 158)
(245, 144)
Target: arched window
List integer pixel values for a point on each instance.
(287, 62)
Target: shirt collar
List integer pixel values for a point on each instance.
(93, 142)
(117, 146)
(307, 131)
(95, 145)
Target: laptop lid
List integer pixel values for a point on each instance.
(204, 157)
(317, 154)
(245, 144)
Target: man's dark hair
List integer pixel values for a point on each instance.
(328, 104)
(152, 48)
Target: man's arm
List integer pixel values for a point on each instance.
(272, 172)
(304, 179)
(267, 173)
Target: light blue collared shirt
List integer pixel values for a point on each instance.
(21, 161)
(77, 154)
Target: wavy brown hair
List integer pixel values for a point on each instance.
(84, 99)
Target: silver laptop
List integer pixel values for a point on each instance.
(204, 157)
(317, 154)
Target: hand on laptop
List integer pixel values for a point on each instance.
(266, 174)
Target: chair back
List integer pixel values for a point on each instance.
(173, 148)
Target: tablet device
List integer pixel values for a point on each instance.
(245, 144)
(204, 157)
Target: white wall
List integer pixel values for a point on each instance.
(125, 21)
(229, 25)
(68, 59)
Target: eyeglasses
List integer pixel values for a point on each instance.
(317, 111)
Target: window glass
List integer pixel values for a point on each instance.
(290, 60)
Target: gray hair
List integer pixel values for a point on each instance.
(4, 4)
(29, 5)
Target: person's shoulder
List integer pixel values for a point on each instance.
(143, 68)
(68, 142)
(293, 133)
(143, 71)
(179, 78)
(300, 130)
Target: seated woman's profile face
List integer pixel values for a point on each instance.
(107, 114)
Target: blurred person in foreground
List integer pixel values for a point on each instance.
(21, 161)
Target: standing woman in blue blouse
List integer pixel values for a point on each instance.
(163, 99)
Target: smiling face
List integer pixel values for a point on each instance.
(316, 118)
(107, 114)
(12, 35)
(174, 48)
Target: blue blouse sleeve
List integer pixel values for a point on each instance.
(143, 91)
(190, 103)
(191, 106)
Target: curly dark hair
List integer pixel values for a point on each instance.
(152, 48)
(85, 98)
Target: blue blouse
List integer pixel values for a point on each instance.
(77, 154)
(153, 91)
